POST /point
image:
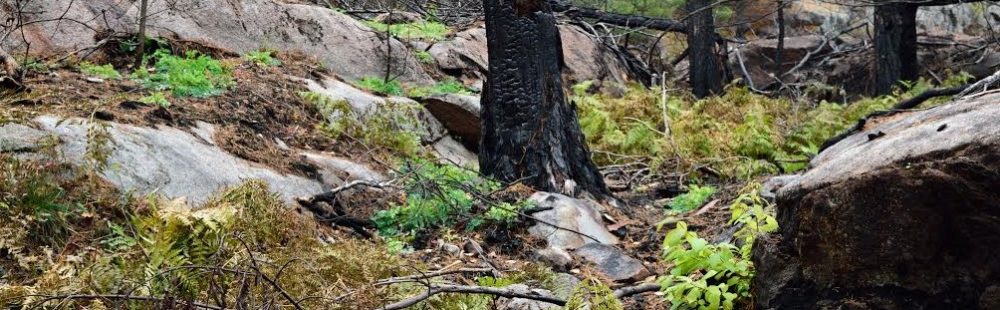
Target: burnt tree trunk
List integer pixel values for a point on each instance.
(530, 131)
(895, 45)
(704, 70)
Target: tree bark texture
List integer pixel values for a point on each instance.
(704, 72)
(895, 46)
(530, 131)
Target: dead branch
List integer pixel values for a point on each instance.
(435, 274)
(434, 289)
(637, 289)
(631, 21)
(980, 86)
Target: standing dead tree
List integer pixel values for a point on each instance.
(530, 130)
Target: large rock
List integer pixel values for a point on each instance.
(902, 215)
(459, 114)
(344, 45)
(570, 223)
(19, 138)
(176, 163)
(587, 57)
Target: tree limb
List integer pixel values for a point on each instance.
(631, 21)
(502, 292)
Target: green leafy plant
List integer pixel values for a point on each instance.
(194, 75)
(106, 71)
(594, 295)
(263, 58)
(715, 276)
(156, 98)
(417, 30)
(443, 196)
(381, 86)
(424, 57)
(694, 198)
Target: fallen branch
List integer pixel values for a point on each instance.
(982, 84)
(435, 274)
(631, 21)
(466, 289)
(637, 289)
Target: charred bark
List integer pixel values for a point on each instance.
(704, 70)
(895, 45)
(530, 131)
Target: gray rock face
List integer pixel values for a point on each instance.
(579, 215)
(170, 162)
(344, 45)
(453, 152)
(555, 257)
(900, 215)
(613, 262)
(459, 114)
(20, 138)
(586, 57)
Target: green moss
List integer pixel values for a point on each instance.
(380, 86)
(417, 30)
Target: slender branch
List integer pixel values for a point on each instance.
(637, 289)
(502, 292)
(439, 273)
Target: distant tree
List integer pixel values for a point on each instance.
(530, 131)
(704, 70)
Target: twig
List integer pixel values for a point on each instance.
(439, 273)
(253, 264)
(502, 292)
(637, 289)
(982, 84)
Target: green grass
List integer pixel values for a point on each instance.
(263, 58)
(419, 30)
(106, 71)
(424, 57)
(193, 75)
(445, 87)
(381, 86)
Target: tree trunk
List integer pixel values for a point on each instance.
(530, 131)
(704, 70)
(140, 52)
(895, 45)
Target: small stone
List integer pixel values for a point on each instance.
(94, 80)
(451, 249)
(613, 262)
(555, 257)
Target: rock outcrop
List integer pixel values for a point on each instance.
(344, 45)
(587, 58)
(902, 215)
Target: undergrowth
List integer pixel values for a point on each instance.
(194, 74)
(381, 86)
(716, 276)
(106, 71)
(427, 30)
(263, 58)
(737, 135)
(442, 196)
(392, 127)
(450, 86)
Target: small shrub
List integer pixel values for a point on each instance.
(715, 276)
(156, 98)
(263, 58)
(443, 196)
(381, 86)
(694, 198)
(193, 75)
(424, 57)
(418, 30)
(106, 71)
